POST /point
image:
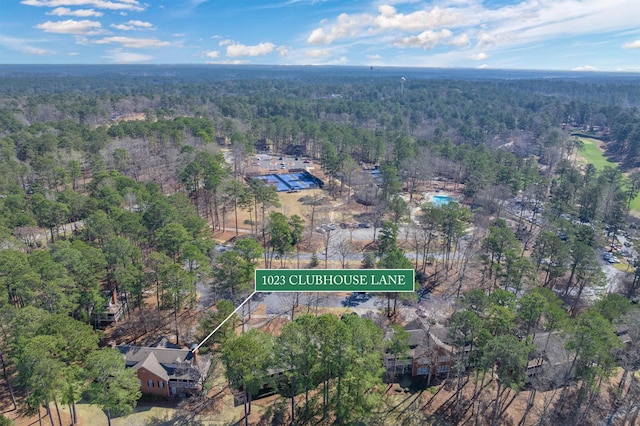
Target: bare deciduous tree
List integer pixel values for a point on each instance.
(343, 247)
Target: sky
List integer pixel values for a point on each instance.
(582, 35)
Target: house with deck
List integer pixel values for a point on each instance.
(114, 308)
(550, 362)
(429, 355)
(167, 372)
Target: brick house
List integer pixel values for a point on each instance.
(429, 356)
(166, 371)
(432, 357)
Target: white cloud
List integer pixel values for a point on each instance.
(73, 53)
(229, 62)
(628, 69)
(282, 50)
(318, 36)
(632, 45)
(585, 68)
(225, 42)
(135, 43)
(482, 67)
(237, 49)
(460, 41)
(123, 57)
(212, 54)
(133, 5)
(472, 22)
(426, 39)
(534, 21)
(388, 19)
(486, 39)
(479, 57)
(374, 57)
(83, 13)
(346, 26)
(419, 20)
(178, 35)
(38, 51)
(23, 45)
(133, 25)
(317, 53)
(84, 27)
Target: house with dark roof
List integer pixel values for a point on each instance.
(550, 361)
(429, 354)
(166, 371)
(623, 333)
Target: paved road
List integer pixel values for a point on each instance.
(437, 308)
(277, 303)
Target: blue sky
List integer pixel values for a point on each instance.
(601, 35)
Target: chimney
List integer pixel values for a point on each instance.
(114, 297)
(194, 352)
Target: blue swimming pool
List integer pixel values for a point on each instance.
(440, 200)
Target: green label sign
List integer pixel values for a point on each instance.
(371, 280)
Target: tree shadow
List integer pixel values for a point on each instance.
(178, 418)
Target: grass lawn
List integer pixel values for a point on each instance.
(624, 267)
(91, 415)
(591, 153)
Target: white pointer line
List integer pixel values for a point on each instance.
(222, 323)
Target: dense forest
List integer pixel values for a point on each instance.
(114, 182)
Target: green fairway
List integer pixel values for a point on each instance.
(635, 205)
(591, 153)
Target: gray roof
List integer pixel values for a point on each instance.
(416, 324)
(420, 331)
(150, 363)
(441, 333)
(169, 364)
(416, 337)
(550, 364)
(551, 347)
(622, 331)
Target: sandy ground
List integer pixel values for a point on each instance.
(335, 211)
(130, 117)
(397, 403)
(289, 205)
